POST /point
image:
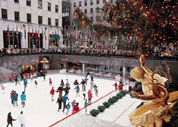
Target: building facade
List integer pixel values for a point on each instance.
(30, 24)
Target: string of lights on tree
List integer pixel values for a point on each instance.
(152, 22)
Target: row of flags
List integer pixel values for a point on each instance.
(34, 34)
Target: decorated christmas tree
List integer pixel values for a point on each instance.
(150, 22)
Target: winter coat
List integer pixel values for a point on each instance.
(15, 97)
(23, 97)
(21, 119)
(90, 94)
(68, 106)
(67, 84)
(50, 81)
(25, 82)
(77, 89)
(76, 108)
(65, 98)
(10, 119)
(86, 103)
(73, 103)
(52, 91)
(11, 94)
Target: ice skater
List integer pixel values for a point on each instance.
(50, 82)
(59, 101)
(86, 104)
(52, 93)
(96, 89)
(83, 85)
(11, 94)
(73, 104)
(21, 119)
(64, 100)
(115, 86)
(15, 98)
(77, 89)
(16, 80)
(89, 96)
(62, 83)
(76, 108)
(36, 83)
(23, 99)
(67, 108)
(10, 119)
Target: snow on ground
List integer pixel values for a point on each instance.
(40, 111)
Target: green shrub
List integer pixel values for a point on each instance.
(106, 104)
(118, 96)
(101, 108)
(94, 112)
(111, 100)
(114, 98)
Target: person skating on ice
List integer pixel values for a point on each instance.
(67, 108)
(76, 108)
(15, 98)
(96, 89)
(115, 86)
(59, 101)
(64, 100)
(23, 99)
(89, 96)
(73, 104)
(11, 94)
(16, 80)
(21, 119)
(36, 83)
(86, 104)
(83, 85)
(76, 82)
(67, 83)
(52, 91)
(10, 119)
(62, 83)
(50, 82)
(77, 90)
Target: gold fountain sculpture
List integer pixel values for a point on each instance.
(159, 103)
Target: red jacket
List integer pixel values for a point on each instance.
(90, 94)
(76, 108)
(50, 81)
(11, 95)
(52, 91)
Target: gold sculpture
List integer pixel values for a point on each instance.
(159, 104)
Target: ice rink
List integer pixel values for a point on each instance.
(39, 110)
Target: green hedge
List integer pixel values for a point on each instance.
(94, 112)
(101, 108)
(107, 104)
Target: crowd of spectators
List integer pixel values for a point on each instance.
(163, 51)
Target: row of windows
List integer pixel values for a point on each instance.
(29, 18)
(40, 5)
(91, 10)
(85, 3)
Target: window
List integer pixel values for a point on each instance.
(97, 18)
(49, 21)
(91, 2)
(97, 1)
(4, 13)
(40, 20)
(85, 11)
(56, 22)
(40, 5)
(17, 16)
(28, 18)
(85, 2)
(28, 2)
(80, 4)
(97, 10)
(16, 1)
(91, 18)
(104, 1)
(56, 8)
(111, 1)
(91, 10)
(49, 6)
(74, 4)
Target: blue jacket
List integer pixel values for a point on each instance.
(85, 104)
(68, 106)
(25, 82)
(65, 98)
(23, 97)
(15, 97)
